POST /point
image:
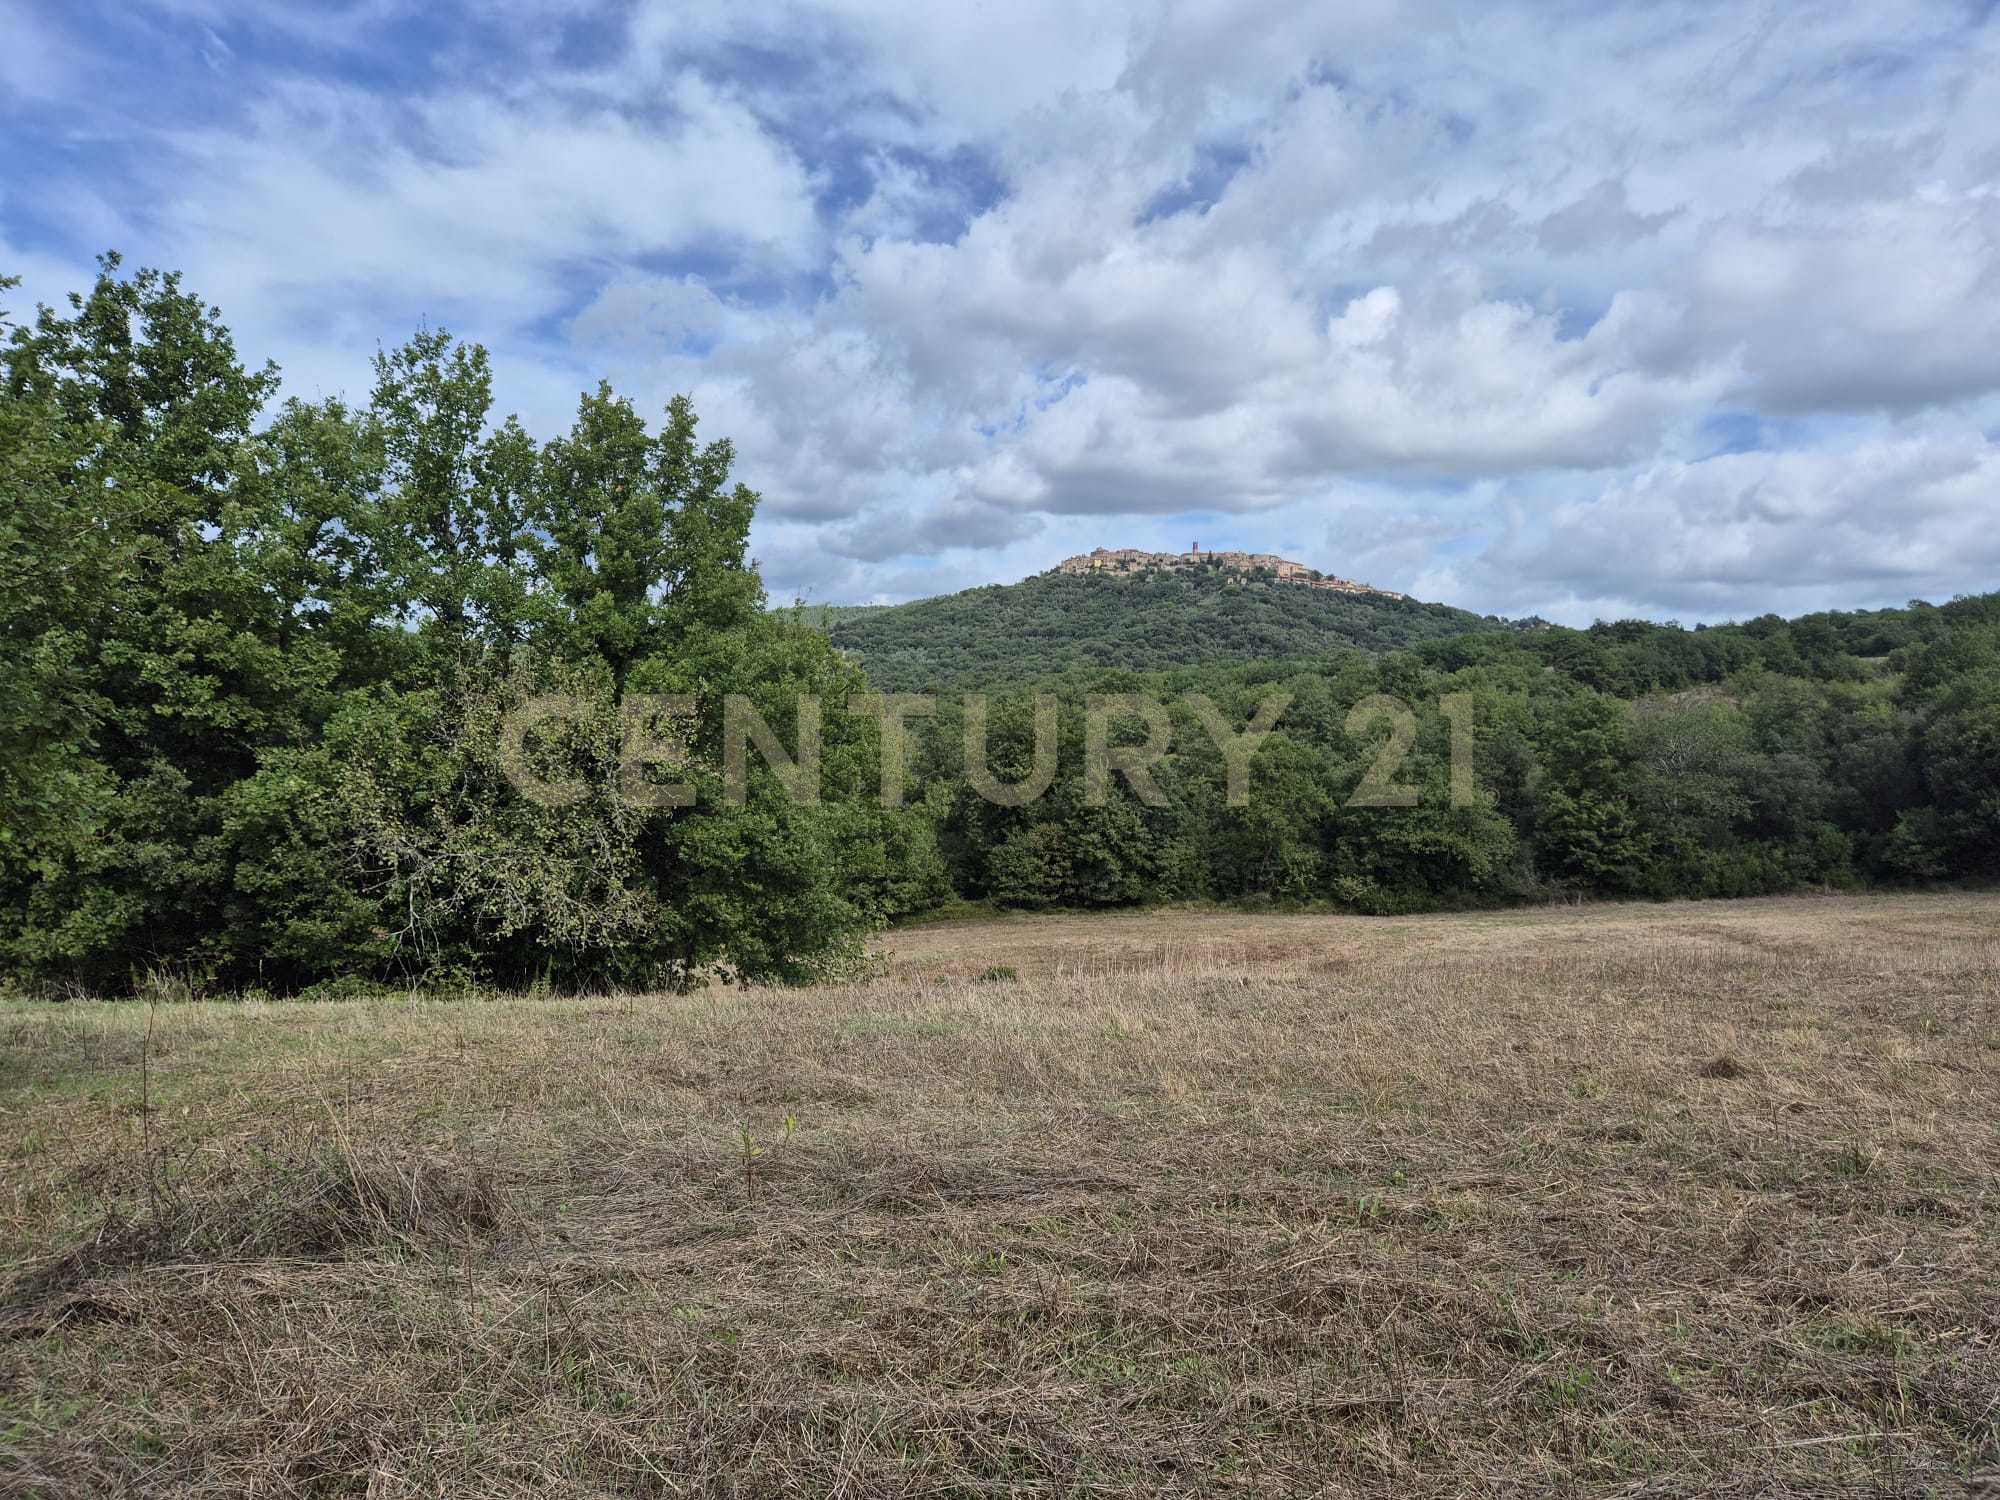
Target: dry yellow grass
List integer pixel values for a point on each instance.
(1689, 1199)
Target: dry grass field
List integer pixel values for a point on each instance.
(1677, 1200)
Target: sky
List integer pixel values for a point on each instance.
(1685, 311)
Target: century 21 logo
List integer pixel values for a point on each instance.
(651, 737)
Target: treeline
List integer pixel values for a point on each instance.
(262, 669)
(1631, 759)
(254, 665)
(1059, 622)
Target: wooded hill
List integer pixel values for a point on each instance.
(1053, 623)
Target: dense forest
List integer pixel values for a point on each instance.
(1056, 622)
(255, 664)
(258, 663)
(1630, 759)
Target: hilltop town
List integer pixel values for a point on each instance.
(1122, 560)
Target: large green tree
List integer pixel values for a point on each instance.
(259, 667)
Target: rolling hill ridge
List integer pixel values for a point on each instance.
(1125, 614)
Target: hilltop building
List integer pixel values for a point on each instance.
(1131, 560)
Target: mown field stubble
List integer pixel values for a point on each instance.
(1693, 1199)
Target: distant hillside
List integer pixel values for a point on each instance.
(1054, 622)
(826, 616)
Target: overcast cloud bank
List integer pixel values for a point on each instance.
(1674, 310)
